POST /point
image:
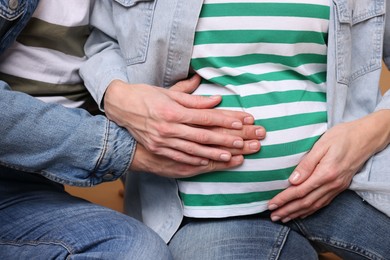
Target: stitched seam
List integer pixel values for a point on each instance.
(338, 244)
(281, 240)
(36, 243)
(348, 247)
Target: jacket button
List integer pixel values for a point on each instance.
(108, 177)
(13, 4)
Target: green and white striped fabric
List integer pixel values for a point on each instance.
(45, 60)
(267, 58)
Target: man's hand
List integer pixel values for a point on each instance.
(163, 166)
(178, 125)
(329, 167)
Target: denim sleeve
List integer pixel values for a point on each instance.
(68, 146)
(13, 17)
(105, 62)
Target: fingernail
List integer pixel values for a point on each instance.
(237, 158)
(295, 176)
(204, 162)
(285, 220)
(248, 120)
(225, 157)
(272, 207)
(275, 218)
(237, 125)
(238, 144)
(259, 132)
(254, 145)
(215, 97)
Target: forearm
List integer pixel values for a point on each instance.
(377, 126)
(66, 145)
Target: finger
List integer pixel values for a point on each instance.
(307, 165)
(187, 86)
(248, 132)
(303, 206)
(168, 136)
(297, 192)
(193, 101)
(182, 157)
(181, 170)
(217, 117)
(251, 146)
(218, 166)
(200, 111)
(321, 202)
(186, 149)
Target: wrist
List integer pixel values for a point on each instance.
(379, 122)
(385, 122)
(138, 162)
(113, 91)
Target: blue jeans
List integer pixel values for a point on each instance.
(349, 227)
(39, 220)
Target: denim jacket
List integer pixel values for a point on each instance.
(150, 41)
(65, 145)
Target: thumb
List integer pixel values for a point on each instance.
(188, 85)
(179, 92)
(306, 166)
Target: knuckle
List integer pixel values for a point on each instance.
(202, 138)
(329, 178)
(300, 193)
(338, 183)
(153, 148)
(206, 119)
(189, 148)
(165, 130)
(330, 174)
(212, 166)
(306, 204)
(317, 206)
(177, 157)
(304, 166)
(156, 141)
(168, 114)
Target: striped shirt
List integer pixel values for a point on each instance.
(267, 58)
(45, 60)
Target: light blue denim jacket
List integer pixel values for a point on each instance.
(68, 146)
(155, 44)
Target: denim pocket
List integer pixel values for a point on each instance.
(359, 36)
(134, 22)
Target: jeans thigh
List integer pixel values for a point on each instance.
(238, 238)
(39, 220)
(348, 227)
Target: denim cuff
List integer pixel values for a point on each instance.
(117, 155)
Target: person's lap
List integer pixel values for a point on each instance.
(250, 237)
(39, 219)
(348, 227)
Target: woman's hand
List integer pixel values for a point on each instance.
(178, 125)
(329, 167)
(163, 166)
